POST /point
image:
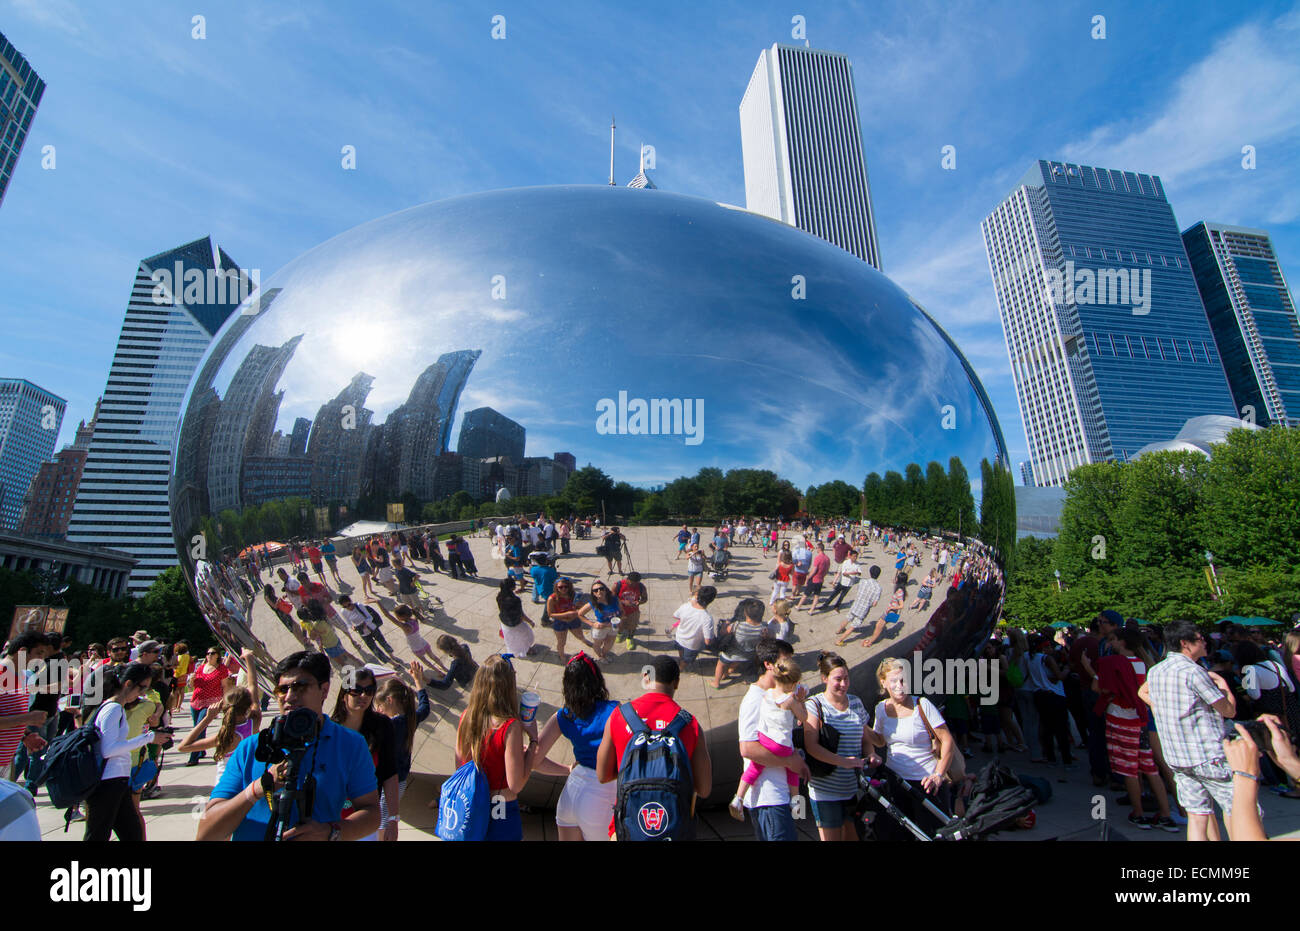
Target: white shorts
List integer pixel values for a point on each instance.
(587, 804)
(602, 633)
(386, 574)
(417, 643)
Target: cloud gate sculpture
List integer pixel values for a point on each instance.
(442, 363)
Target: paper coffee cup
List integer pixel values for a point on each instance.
(528, 707)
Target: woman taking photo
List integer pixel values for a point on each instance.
(586, 804)
(909, 727)
(353, 710)
(108, 808)
(491, 734)
(834, 796)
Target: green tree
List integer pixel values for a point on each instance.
(939, 510)
(1093, 496)
(893, 497)
(873, 497)
(1157, 521)
(586, 489)
(961, 499)
(1251, 498)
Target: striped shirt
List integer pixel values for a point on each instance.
(843, 783)
(1182, 699)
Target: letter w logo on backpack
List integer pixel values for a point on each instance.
(656, 792)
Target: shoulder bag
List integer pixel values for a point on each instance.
(957, 771)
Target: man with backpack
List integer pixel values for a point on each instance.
(365, 621)
(668, 764)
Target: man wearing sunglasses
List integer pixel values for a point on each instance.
(338, 758)
(1189, 705)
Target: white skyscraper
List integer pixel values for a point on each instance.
(803, 148)
(122, 500)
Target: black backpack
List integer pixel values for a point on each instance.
(71, 769)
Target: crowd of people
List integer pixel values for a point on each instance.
(1123, 691)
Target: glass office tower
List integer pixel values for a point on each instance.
(21, 89)
(1110, 345)
(1253, 318)
(30, 418)
(122, 502)
(803, 148)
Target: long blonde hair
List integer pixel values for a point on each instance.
(493, 694)
(238, 708)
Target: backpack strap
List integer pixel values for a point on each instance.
(678, 723)
(634, 722)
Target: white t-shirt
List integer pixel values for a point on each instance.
(771, 788)
(1262, 677)
(358, 618)
(697, 627)
(909, 742)
(775, 723)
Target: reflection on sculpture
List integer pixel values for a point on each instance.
(509, 323)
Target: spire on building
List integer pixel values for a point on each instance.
(611, 151)
(642, 179)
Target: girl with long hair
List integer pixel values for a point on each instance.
(586, 804)
(407, 709)
(361, 560)
(462, 666)
(516, 627)
(241, 716)
(491, 734)
(353, 709)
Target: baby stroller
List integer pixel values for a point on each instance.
(719, 564)
(997, 801)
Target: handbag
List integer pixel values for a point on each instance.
(829, 739)
(957, 770)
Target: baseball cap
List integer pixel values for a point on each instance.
(1112, 617)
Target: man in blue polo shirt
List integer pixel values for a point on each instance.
(339, 758)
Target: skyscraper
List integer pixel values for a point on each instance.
(1109, 343)
(170, 320)
(30, 418)
(485, 434)
(337, 445)
(21, 89)
(1252, 316)
(802, 147)
(47, 507)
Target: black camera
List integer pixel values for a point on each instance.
(287, 733)
(1259, 733)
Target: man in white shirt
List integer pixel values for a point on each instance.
(694, 627)
(849, 572)
(769, 800)
(364, 621)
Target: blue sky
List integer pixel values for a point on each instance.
(161, 138)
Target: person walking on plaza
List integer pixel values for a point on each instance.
(860, 611)
(817, 570)
(849, 573)
(1189, 704)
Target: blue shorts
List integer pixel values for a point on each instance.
(509, 828)
(335, 652)
(687, 656)
(833, 814)
(566, 625)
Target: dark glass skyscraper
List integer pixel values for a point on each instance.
(21, 89)
(1109, 342)
(1253, 318)
(486, 434)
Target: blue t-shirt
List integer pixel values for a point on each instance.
(802, 560)
(606, 613)
(683, 536)
(585, 735)
(695, 538)
(543, 579)
(343, 766)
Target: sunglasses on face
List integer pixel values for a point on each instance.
(362, 690)
(301, 685)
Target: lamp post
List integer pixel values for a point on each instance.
(1057, 573)
(1212, 577)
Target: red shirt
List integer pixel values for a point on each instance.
(1120, 681)
(11, 703)
(783, 571)
(492, 755)
(208, 689)
(313, 553)
(657, 710)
